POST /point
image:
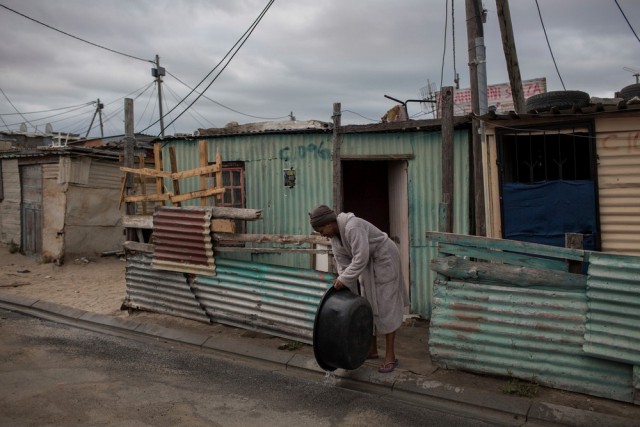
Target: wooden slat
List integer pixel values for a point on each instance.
(273, 238)
(146, 172)
(148, 197)
(503, 256)
(195, 194)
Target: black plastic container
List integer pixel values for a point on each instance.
(343, 330)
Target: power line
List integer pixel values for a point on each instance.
(549, 45)
(222, 105)
(75, 37)
(628, 23)
(14, 107)
(241, 41)
(51, 110)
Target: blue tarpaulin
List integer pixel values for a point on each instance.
(544, 211)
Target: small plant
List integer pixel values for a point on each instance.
(291, 346)
(521, 388)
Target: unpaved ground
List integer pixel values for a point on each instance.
(91, 284)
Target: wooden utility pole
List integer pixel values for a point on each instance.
(337, 162)
(158, 72)
(475, 43)
(129, 160)
(510, 55)
(446, 199)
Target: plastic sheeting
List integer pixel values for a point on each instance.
(544, 211)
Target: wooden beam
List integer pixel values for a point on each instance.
(148, 197)
(195, 172)
(195, 194)
(270, 250)
(137, 221)
(273, 238)
(146, 172)
(157, 159)
(489, 272)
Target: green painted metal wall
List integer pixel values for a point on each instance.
(285, 210)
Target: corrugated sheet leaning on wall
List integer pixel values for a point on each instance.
(613, 292)
(182, 240)
(280, 301)
(519, 316)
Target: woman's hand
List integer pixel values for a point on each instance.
(337, 284)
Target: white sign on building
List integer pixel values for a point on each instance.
(498, 96)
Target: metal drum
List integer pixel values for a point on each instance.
(343, 330)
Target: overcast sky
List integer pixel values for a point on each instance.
(303, 56)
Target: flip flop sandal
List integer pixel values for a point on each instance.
(385, 368)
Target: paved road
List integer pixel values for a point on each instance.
(56, 375)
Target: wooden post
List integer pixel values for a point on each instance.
(129, 161)
(510, 55)
(337, 163)
(219, 179)
(574, 241)
(204, 161)
(157, 159)
(474, 32)
(446, 220)
(174, 169)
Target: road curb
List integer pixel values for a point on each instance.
(402, 384)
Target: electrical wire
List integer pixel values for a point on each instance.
(51, 110)
(177, 98)
(628, 23)
(358, 114)
(75, 37)
(549, 45)
(225, 106)
(241, 41)
(14, 107)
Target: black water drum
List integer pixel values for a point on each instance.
(343, 330)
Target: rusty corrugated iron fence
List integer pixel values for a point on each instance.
(280, 301)
(514, 310)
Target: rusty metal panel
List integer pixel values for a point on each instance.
(159, 291)
(613, 298)
(182, 240)
(524, 333)
(276, 300)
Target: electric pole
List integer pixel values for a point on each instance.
(158, 72)
(510, 55)
(478, 77)
(99, 107)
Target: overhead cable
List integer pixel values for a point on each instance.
(625, 18)
(241, 41)
(549, 45)
(75, 37)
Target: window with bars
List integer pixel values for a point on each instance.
(546, 155)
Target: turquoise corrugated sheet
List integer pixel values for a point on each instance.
(285, 211)
(522, 333)
(277, 300)
(613, 297)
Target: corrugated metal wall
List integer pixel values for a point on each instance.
(276, 300)
(619, 189)
(515, 310)
(613, 292)
(285, 210)
(280, 301)
(266, 156)
(523, 333)
(159, 291)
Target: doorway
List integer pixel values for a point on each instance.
(377, 191)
